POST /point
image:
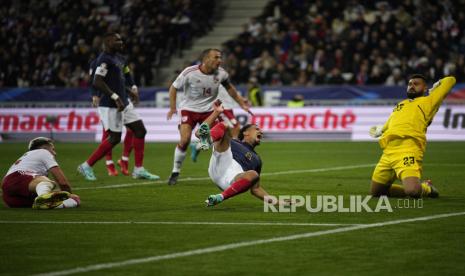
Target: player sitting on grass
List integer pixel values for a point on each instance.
(403, 140)
(234, 165)
(26, 183)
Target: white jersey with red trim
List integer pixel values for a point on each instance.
(200, 90)
(226, 99)
(34, 162)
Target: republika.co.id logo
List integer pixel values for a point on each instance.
(336, 204)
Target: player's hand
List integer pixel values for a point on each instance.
(95, 101)
(171, 113)
(119, 104)
(217, 106)
(134, 95)
(376, 131)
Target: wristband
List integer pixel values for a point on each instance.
(114, 96)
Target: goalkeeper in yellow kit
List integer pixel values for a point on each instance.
(403, 140)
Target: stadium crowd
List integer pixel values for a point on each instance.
(303, 43)
(50, 43)
(294, 42)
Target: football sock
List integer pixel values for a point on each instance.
(425, 189)
(102, 149)
(178, 159)
(44, 188)
(109, 155)
(237, 187)
(69, 203)
(128, 143)
(217, 132)
(397, 190)
(139, 145)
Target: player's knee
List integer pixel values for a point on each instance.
(412, 191)
(114, 139)
(378, 189)
(252, 176)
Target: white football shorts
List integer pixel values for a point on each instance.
(223, 168)
(113, 120)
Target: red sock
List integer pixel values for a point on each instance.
(217, 132)
(102, 149)
(105, 135)
(128, 142)
(139, 144)
(236, 188)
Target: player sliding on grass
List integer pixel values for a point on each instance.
(26, 183)
(234, 166)
(403, 140)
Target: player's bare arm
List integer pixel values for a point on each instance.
(232, 91)
(134, 94)
(60, 178)
(172, 94)
(100, 85)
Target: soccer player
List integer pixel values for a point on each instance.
(115, 109)
(26, 183)
(235, 167)
(128, 138)
(403, 140)
(227, 116)
(200, 86)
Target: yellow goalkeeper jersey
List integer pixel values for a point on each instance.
(411, 118)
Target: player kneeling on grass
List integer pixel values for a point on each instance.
(26, 183)
(403, 140)
(234, 166)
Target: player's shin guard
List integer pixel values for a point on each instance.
(236, 188)
(102, 149)
(139, 147)
(44, 187)
(217, 132)
(128, 143)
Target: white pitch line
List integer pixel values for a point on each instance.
(179, 223)
(124, 185)
(230, 246)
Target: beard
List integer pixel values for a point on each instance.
(412, 94)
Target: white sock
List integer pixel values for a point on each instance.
(68, 203)
(44, 187)
(137, 169)
(108, 162)
(178, 159)
(124, 158)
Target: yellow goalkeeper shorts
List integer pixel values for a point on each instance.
(398, 163)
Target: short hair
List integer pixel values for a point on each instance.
(418, 76)
(38, 142)
(205, 53)
(243, 129)
(107, 35)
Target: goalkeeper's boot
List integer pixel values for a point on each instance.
(434, 192)
(213, 200)
(173, 178)
(194, 151)
(142, 173)
(124, 166)
(50, 200)
(112, 170)
(87, 172)
(204, 135)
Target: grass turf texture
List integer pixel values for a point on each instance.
(418, 248)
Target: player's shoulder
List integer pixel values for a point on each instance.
(104, 58)
(38, 153)
(189, 70)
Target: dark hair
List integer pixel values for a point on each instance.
(205, 53)
(418, 76)
(243, 129)
(38, 142)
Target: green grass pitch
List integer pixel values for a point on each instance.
(99, 239)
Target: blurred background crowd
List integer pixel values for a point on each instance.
(293, 42)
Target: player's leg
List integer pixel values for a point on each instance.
(127, 148)
(409, 168)
(112, 122)
(382, 179)
(49, 195)
(185, 131)
(139, 131)
(109, 158)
